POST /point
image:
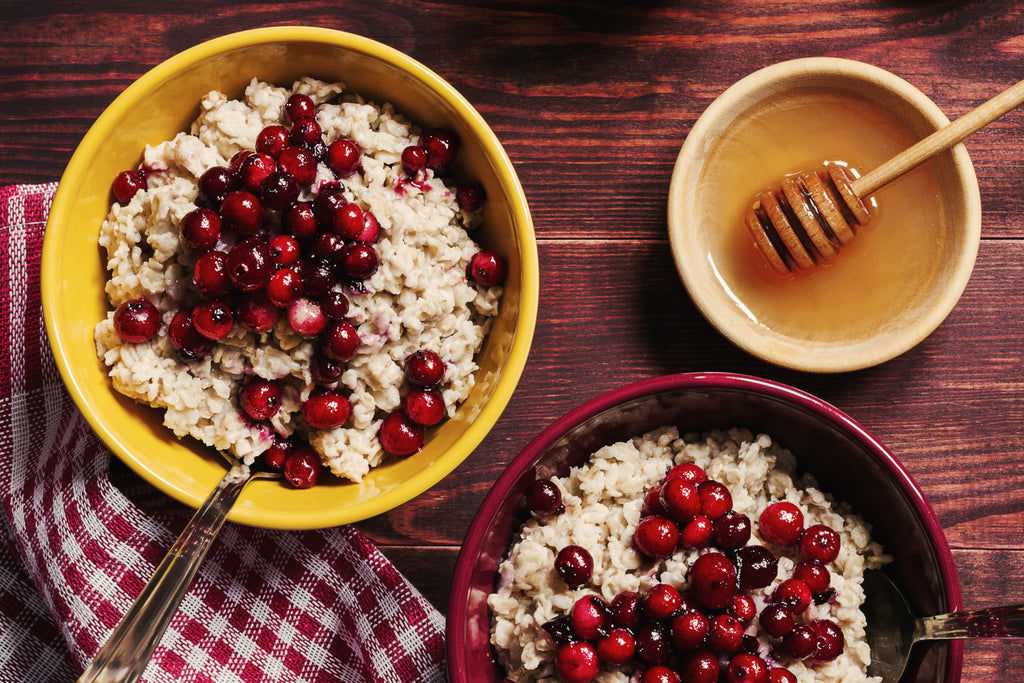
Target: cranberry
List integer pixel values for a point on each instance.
(256, 313)
(441, 147)
(318, 149)
(587, 617)
(660, 601)
(284, 250)
(200, 229)
(487, 269)
(690, 471)
(317, 276)
(689, 629)
(801, 642)
(299, 163)
(249, 264)
(330, 198)
(213, 319)
(326, 370)
(189, 344)
(348, 220)
(743, 607)
(399, 435)
(756, 566)
(424, 368)
(781, 523)
(414, 159)
(238, 158)
(343, 157)
(652, 502)
(577, 662)
(329, 246)
(616, 647)
(299, 106)
(299, 221)
(242, 212)
(830, 640)
(731, 530)
(360, 261)
(341, 341)
(712, 580)
(543, 498)
(136, 321)
(814, 573)
(680, 500)
(659, 674)
(260, 398)
(306, 318)
(272, 140)
(575, 565)
(327, 410)
(777, 620)
(215, 183)
(276, 455)
(625, 610)
(470, 196)
(126, 184)
(725, 634)
(302, 467)
(210, 274)
(424, 406)
(715, 499)
(653, 643)
(306, 131)
(701, 667)
(656, 536)
(746, 668)
(781, 676)
(334, 305)
(560, 630)
(696, 533)
(818, 542)
(255, 169)
(371, 229)
(793, 593)
(279, 191)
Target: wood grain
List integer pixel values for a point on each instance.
(592, 100)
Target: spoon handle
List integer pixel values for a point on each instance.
(128, 650)
(992, 622)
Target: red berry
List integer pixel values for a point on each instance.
(819, 542)
(424, 368)
(371, 229)
(725, 634)
(329, 246)
(746, 668)
(793, 593)
(260, 399)
(701, 667)
(712, 581)
(299, 221)
(284, 250)
(659, 674)
(242, 212)
(279, 191)
(237, 159)
(731, 530)
(689, 629)
(276, 455)
(801, 642)
(360, 261)
(215, 183)
(656, 536)
(343, 157)
(213, 319)
(777, 619)
(318, 277)
(399, 435)
(136, 321)
(249, 264)
(424, 406)
(587, 617)
(660, 601)
(756, 566)
(616, 647)
(327, 410)
(830, 640)
(470, 196)
(781, 523)
(691, 472)
(575, 565)
(306, 318)
(680, 500)
(331, 197)
(299, 106)
(341, 340)
(441, 146)
(299, 163)
(126, 184)
(696, 533)
(256, 313)
(334, 305)
(306, 131)
(189, 344)
(326, 370)
(302, 467)
(272, 140)
(625, 610)
(577, 662)
(781, 676)
(543, 498)
(255, 169)
(652, 502)
(814, 573)
(487, 269)
(715, 499)
(414, 159)
(742, 607)
(210, 275)
(653, 643)
(284, 287)
(200, 229)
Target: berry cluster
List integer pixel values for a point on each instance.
(706, 631)
(274, 237)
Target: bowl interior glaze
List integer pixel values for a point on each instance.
(846, 460)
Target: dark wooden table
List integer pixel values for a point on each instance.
(592, 100)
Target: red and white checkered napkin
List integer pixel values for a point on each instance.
(83, 534)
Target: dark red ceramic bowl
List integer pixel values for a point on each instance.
(847, 461)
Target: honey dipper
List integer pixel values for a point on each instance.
(814, 214)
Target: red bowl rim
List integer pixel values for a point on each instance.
(458, 607)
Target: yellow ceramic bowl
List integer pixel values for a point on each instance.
(165, 101)
(904, 271)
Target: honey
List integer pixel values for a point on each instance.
(886, 270)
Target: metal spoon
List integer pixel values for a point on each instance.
(892, 629)
(128, 650)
